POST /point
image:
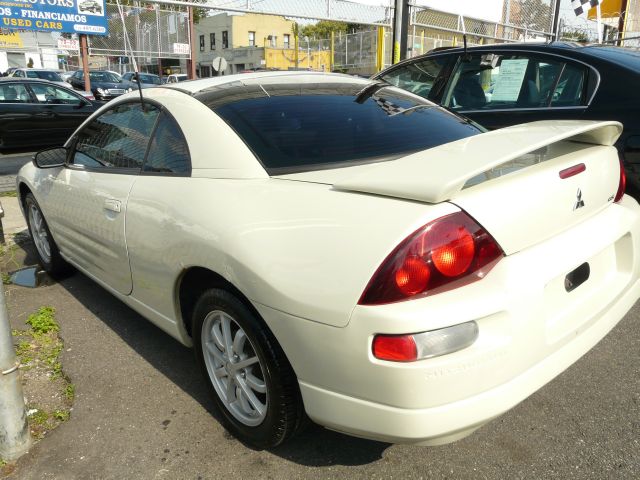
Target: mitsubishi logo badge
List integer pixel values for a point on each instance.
(579, 202)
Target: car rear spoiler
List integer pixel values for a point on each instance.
(437, 174)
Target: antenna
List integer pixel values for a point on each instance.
(133, 58)
(465, 56)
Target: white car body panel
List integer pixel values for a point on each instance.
(302, 251)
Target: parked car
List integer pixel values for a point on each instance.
(502, 85)
(92, 6)
(349, 250)
(177, 77)
(67, 75)
(147, 80)
(35, 113)
(50, 75)
(104, 85)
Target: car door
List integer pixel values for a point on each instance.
(61, 111)
(502, 88)
(18, 110)
(87, 201)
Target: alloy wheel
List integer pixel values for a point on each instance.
(234, 368)
(39, 233)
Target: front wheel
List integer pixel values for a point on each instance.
(254, 387)
(47, 250)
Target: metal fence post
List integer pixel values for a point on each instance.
(14, 429)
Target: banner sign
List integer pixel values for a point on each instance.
(71, 16)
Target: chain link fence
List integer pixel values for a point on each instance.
(146, 32)
(520, 21)
(583, 29)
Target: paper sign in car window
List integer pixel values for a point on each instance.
(509, 83)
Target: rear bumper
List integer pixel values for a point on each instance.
(530, 330)
(450, 422)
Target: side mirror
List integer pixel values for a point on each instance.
(51, 157)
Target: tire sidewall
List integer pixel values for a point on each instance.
(268, 433)
(28, 202)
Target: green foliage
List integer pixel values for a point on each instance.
(12, 193)
(43, 321)
(323, 29)
(6, 278)
(39, 417)
(70, 391)
(61, 415)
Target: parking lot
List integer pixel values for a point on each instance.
(142, 411)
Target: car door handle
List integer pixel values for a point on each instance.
(113, 205)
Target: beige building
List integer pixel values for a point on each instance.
(241, 40)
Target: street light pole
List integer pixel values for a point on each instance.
(14, 429)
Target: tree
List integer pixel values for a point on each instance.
(323, 29)
(30, 63)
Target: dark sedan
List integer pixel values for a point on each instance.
(36, 113)
(502, 85)
(147, 80)
(104, 85)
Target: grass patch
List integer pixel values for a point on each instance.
(38, 350)
(43, 321)
(12, 193)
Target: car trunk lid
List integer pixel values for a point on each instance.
(509, 180)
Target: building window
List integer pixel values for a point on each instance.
(202, 43)
(225, 39)
(252, 39)
(212, 41)
(286, 40)
(274, 41)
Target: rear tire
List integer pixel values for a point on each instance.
(254, 387)
(46, 248)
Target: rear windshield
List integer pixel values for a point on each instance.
(52, 76)
(292, 128)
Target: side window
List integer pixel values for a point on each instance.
(490, 82)
(417, 77)
(19, 73)
(116, 139)
(55, 95)
(14, 93)
(570, 90)
(168, 152)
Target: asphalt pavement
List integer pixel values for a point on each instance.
(142, 412)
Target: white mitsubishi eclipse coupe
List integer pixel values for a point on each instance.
(344, 250)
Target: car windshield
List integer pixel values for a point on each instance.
(152, 79)
(302, 127)
(103, 77)
(51, 76)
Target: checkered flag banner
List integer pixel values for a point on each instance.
(578, 5)
(388, 107)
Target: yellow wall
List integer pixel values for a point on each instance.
(282, 59)
(263, 25)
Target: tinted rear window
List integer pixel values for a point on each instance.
(311, 126)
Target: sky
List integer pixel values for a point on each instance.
(485, 9)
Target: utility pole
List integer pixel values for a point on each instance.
(555, 28)
(15, 438)
(622, 23)
(192, 40)
(400, 30)
(84, 53)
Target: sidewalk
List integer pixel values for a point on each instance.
(13, 221)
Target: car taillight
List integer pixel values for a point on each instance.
(444, 254)
(622, 185)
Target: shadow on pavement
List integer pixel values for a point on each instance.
(315, 446)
